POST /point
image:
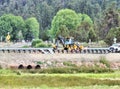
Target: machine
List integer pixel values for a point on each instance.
(67, 43)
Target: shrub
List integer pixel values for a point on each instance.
(71, 70)
(69, 64)
(104, 61)
(0, 67)
(49, 45)
(36, 41)
(41, 45)
(25, 46)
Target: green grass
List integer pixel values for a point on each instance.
(54, 81)
(80, 87)
(16, 79)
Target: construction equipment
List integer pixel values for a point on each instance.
(67, 43)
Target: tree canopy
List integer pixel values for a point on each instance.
(65, 20)
(17, 27)
(99, 15)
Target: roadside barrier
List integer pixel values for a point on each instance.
(51, 51)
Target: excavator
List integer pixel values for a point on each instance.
(67, 43)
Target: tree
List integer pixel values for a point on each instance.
(91, 35)
(4, 29)
(12, 24)
(65, 17)
(32, 29)
(85, 24)
(113, 33)
(111, 19)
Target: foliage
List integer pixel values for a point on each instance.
(41, 45)
(53, 81)
(91, 35)
(69, 64)
(104, 15)
(18, 28)
(110, 19)
(10, 79)
(12, 24)
(32, 27)
(65, 25)
(64, 20)
(113, 33)
(36, 41)
(83, 28)
(104, 61)
(0, 67)
(73, 69)
(25, 46)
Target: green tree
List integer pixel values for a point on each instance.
(114, 32)
(65, 17)
(12, 24)
(32, 29)
(85, 24)
(4, 29)
(91, 35)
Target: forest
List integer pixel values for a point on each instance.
(46, 19)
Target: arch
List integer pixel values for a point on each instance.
(37, 67)
(29, 67)
(21, 67)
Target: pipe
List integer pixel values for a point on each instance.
(21, 67)
(37, 67)
(29, 67)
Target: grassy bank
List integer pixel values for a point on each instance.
(15, 79)
(54, 81)
(76, 87)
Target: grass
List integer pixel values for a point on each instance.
(11, 79)
(54, 81)
(80, 87)
(15, 79)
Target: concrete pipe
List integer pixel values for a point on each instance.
(3, 51)
(21, 67)
(8, 51)
(29, 67)
(30, 51)
(37, 67)
(24, 51)
(19, 51)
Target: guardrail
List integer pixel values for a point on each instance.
(51, 51)
(27, 50)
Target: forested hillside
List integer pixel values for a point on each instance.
(103, 17)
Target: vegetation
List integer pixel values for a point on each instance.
(104, 61)
(13, 79)
(82, 19)
(76, 87)
(71, 70)
(39, 43)
(18, 28)
(32, 27)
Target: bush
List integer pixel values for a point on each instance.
(71, 70)
(25, 46)
(104, 61)
(69, 64)
(0, 67)
(49, 45)
(36, 41)
(41, 45)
